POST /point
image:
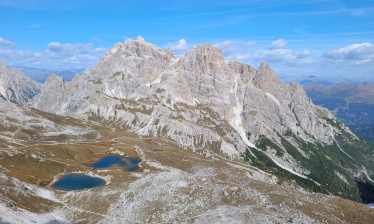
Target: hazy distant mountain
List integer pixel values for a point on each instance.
(216, 137)
(312, 79)
(40, 75)
(352, 103)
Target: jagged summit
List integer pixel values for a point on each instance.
(53, 78)
(136, 59)
(266, 79)
(15, 86)
(140, 39)
(202, 58)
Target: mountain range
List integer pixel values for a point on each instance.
(325, 81)
(40, 75)
(219, 135)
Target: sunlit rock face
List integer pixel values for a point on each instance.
(247, 101)
(15, 86)
(204, 103)
(251, 128)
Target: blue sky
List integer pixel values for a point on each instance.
(328, 38)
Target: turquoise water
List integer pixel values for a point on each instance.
(131, 164)
(75, 181)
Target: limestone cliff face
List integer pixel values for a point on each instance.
(272, 105)
(15, 86)
(203, 103)
(48, 99)
(137, 82)
(209, 105)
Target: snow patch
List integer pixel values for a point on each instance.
(288, 169)
(273, 98)
(237, 122)
(368, 176)
(342, 149)
(341, 177)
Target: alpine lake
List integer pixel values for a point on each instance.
(79, 181)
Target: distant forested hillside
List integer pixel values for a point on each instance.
(352, 103)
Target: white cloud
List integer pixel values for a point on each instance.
(5, 43)
(58, 49)
(286, 56)
(73, 54)
(352, 52)
(359, 54)
(231, 48)
(99, 50)
(16, 54)
(179, 47)
(276, 53)
(278, 44)
(56, 56)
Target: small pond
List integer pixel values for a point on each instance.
(75, 181)
(131, 164)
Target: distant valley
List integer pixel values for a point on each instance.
(353, 103)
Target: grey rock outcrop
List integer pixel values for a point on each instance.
(213, 107)
(272, 105)
(137, 82)
(199, 101)
(15, 86)
(53, 84)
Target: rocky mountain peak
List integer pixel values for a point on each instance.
(15, 86)
(297, 89)
(267, 80)
(47, 100)
(202, 58)
(245, 71)
(53, 78)
(134, 59)
(141, 48)
(140, 39)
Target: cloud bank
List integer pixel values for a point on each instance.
(359, 54)
(56, 56)
(277, 53)
(278, 44)
(5, 43)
